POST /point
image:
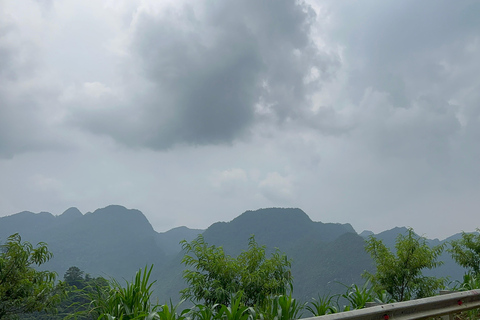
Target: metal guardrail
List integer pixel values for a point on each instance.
(443, 305)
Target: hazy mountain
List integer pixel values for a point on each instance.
(366, 233)
(111, 242)
(169, 241)
(273, 227)
(323, 254)
(31, 226)
(116, 242)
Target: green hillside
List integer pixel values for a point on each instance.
(116, 242)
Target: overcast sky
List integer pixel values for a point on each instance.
(366, 112)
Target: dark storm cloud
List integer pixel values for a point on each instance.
(210, 68)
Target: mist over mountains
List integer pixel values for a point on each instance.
(116, 242)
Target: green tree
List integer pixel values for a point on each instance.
(400, 274)
(22, 288)
(466, 251)
(217, 277)
(74, 277)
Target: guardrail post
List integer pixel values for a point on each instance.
(448, 316)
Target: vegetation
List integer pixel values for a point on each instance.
(400, 274)
(217, 276)
(466, 251)
(116, 242)
(359, 296)
(249, 286)
(76, 299)
(22, 288)
(322, 306)
(132, 301)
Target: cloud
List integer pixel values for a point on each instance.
(198, 73)
(277, 188)
(359, 111)
(26, 95)
(409, 69)
(229, 182)
(43, 183)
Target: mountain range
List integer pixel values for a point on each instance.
(115, 242)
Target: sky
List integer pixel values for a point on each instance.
(362, 112)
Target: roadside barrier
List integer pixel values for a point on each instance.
(444, 306)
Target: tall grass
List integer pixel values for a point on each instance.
(281, 307)
(132, 302)
(323, 305)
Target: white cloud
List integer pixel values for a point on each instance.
(277, 188)
(229, 182)
(44, 183)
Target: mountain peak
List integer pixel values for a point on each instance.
(121, 217)
(71, 212)
(113, 209)
(366, 233)
(295, 214)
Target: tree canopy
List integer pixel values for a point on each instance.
(22, 288)
(217, 277)
(466, 251)
(401, 274)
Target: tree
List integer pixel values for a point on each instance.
(77, 302)
(74, 277)
(400, 274)
(466, 251)
(217, 277)
(22, 288)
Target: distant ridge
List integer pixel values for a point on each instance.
(273, 227)
(111, 242)
(169, 241)
(115, 242)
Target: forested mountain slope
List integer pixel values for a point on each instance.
(323, 254)
(116, 242)
(110, 242)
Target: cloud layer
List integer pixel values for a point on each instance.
(354, 111)
(205, 73)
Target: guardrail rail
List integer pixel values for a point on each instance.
(444, 306)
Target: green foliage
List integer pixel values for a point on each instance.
(76, 299)
(170, 312)
(236, 310)
(22, 288)
(79, 294)
(128, 303)
(400, 274)
(218, 276)
(322, 306)
(359, 296)
(466, 251)
(202, 312)
(382, 296)
(74, 277)
(470, 281)
(291, 308)
(281, 307)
